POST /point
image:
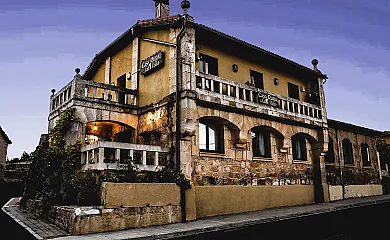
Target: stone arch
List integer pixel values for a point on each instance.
(110, 131)
(279, 136)
(234, 129)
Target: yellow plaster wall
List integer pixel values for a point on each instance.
(226, 61)
(354, 191)
(121, 63)
(100, 75)
(221, 200)
(115, 195)
(154, 86)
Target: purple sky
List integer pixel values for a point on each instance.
(43, 41)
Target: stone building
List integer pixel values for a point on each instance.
(4, 142)
(224, 111)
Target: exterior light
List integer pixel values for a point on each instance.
(276, 81)
(95, 128)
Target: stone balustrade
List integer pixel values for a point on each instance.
(95, 92)
(114, 155)
(241, 94)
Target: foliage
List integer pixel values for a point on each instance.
(53, 165)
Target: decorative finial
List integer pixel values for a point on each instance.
(185, 5)
(315, 63)
(77, 70)
(53, 91)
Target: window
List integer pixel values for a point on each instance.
(208, 65)
(261, 143)
(347, 152)
(257, 79)
(299, 147)
(329, 157)
(293, 91)
(365, 154)
(211, 137)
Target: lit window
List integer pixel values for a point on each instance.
(261, 143)
(299, 147)
(210, 137)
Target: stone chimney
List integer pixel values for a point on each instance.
(162, 8)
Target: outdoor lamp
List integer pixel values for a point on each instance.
(95, 127)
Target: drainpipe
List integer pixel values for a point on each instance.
(178, 114)
(341, 171)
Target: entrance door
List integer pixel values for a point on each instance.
(121, 82)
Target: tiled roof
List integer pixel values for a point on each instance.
(166, 21)
(4, 135)
(259, 49)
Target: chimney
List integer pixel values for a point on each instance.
(162, 8)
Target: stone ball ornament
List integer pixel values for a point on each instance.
(314, 62)
(77, 70)
(185, 4)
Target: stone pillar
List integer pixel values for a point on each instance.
(107, 79)
(188, 112)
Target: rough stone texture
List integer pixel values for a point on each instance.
(86, 220)
(356, 174)
(238, 166)
(3, 156)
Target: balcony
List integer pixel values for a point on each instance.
(116, 156)
(94, 94)
(213, 89)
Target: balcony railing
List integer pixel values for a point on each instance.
(94, 92)
(241, 93)
(115, 155)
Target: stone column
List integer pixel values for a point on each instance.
(187, 102)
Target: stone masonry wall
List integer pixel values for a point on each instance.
(238, 166)
(356, 174)
(3, 156)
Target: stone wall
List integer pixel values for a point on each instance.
(237, 164)
(86, 220)
(356, 174)
(3, 156)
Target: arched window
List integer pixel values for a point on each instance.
(365, 154)
(347, 152)
(329, 157)
(299, 147)
(211, 136)
(261, 143)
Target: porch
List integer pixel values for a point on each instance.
(104, 155)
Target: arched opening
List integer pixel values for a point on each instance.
(329, 157)
(264, 139)
(365, 150)
(301, 144)
(347, 152)
(108, 131)
(211, 134)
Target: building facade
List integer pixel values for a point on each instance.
(4, 142)
(223, 111)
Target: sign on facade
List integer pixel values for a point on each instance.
(152, 63)
(268, 99)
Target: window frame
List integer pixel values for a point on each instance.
(330, 150)
(208, 65)
(267, 143)
(290, 92)
(347, 151)
(299, 139)
(219, 136)
(253, 76)
(366, 163)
